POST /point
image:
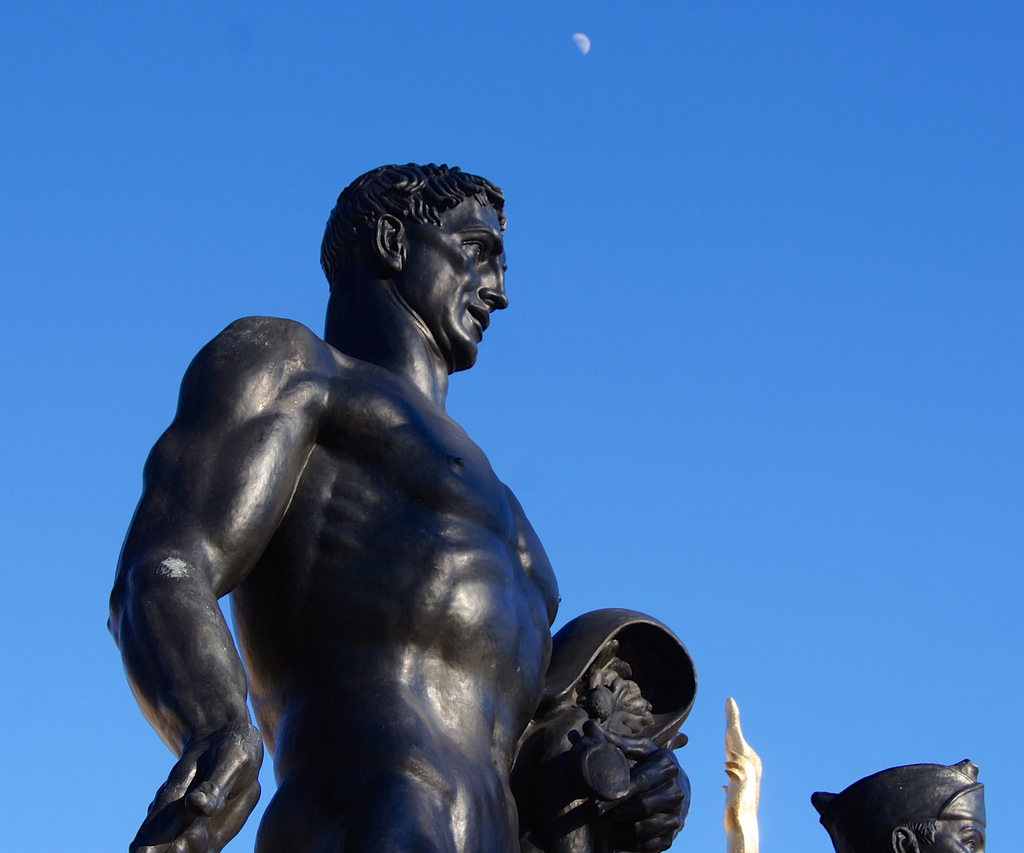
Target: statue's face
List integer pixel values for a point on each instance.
(453, 277)
(957, 836)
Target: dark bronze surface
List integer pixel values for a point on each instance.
(929, 808)
(392, 602)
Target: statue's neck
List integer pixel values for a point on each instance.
(371, 322)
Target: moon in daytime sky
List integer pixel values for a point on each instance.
(582, 42)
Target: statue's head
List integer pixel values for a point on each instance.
(411, 193)
(653, 673)
(920, 808)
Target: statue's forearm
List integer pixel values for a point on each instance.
(177, 650)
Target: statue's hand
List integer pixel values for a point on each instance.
(208, 795)
(741, 794)
(649, 817)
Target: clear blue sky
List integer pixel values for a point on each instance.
(761, 374)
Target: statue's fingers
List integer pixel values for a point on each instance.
(178, 780)
(211, 834)
(191, 839)
(736, 770)
(206, 800)
(228, 822)
(653, 834)
(656, 845)
(235, 765)
(209, 797)
(162, 829)
(166, 817)
(668, 800)
(658, 826)
(182, 845)
(658, 770)
(636, 748)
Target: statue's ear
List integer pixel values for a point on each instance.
(820, 800)
(389, 242)
(904, 840)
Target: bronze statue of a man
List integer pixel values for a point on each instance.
(392, 602)
(919, 808)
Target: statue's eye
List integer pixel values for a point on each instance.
(475, 248)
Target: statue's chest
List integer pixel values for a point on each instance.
(402, 450)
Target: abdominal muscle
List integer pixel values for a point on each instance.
(396, 711)
(418, 762)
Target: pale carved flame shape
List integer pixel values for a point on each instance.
(743, 767)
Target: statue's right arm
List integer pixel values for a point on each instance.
(216, 486)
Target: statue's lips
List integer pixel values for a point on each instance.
(481, 315)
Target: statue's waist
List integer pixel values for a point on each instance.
(401, 725)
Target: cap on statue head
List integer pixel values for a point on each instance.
(867, 812)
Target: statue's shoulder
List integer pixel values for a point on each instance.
(255, 360)
(266, 339)
(261, 343)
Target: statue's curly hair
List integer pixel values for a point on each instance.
(925, 830)
(412, 193)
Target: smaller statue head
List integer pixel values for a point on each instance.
(919, 808)
(625, 670)
(610, 696)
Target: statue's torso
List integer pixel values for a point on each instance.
(396, 628)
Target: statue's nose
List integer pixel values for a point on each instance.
(494, 297)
